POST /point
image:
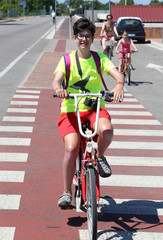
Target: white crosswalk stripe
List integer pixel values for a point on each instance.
(7, 233)
(22, 110)
(18, 119)
(9, 202)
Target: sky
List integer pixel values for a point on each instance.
(144, 2)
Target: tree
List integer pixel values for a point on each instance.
(129, 2)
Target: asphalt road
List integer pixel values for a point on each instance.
(22, 44)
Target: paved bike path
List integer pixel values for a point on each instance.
(31, 152)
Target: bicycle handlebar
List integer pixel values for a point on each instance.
(99, 97)
(132, 51)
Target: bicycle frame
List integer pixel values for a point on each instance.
(87, 156)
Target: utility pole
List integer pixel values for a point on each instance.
(55, 14)
(125, 2)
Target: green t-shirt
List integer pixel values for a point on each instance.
(90, 81)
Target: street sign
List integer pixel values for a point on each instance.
(22, 3)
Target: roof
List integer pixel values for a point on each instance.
(149, 13)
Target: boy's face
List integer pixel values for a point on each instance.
(84, 39)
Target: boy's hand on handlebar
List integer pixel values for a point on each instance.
(118, 93)
(61, 93)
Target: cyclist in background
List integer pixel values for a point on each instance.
(107, 32)
(53, 16)
(70, 15)
(88, 81)
(125, 43)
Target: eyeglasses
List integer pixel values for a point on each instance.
(109, 18)
(81, 36)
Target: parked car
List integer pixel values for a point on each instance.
(134, 27)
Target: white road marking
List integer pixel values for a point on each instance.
(9, 202)
(130, 100)
(123, 105)
(12, 176)
(133, 181)
(15, 141)
(134, 145)
(135, 161)
(28, 91)
(13, 157)
(16, 129)
(52, 32)
(155, 66)
(22, 110)
(18, 119)
(138, 132)
(25, 96)
(7, 233)
(24, 103)
(130, 113)
(135, 121)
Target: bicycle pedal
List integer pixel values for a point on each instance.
(67, 208)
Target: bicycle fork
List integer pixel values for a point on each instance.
(89, 162)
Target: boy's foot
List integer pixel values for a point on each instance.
(65, 200)
(104, 168)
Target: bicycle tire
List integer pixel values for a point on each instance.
(91, 203)
(78, 199)
(108, 52)
(128, 75)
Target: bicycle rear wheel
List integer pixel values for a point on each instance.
(91, 203)
(128, 75)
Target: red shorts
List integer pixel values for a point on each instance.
(67, 122)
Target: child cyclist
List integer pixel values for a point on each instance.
(83, 31)
(125, 43)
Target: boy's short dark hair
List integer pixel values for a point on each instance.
(82, 24)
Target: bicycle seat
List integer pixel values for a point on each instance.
(86, 125)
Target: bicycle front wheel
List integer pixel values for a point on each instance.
(91, 203)
(109, 52)
(128, 75)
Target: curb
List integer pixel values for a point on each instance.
(160, 45)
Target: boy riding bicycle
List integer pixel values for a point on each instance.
(86, 80)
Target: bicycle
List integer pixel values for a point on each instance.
(87, 188)
(126, 68)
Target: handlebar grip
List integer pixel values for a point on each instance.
(108, 97)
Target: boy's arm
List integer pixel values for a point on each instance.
(118, 90)
(132, 43)
(118, 46)
(115, 31)
(57, 85)
(102, 30)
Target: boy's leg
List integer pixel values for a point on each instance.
(105, 135)
(120, 64)
(69, 166)
(72, 143)
(104, 45)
